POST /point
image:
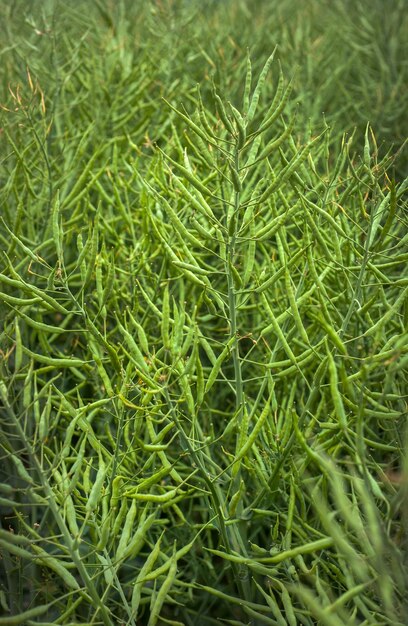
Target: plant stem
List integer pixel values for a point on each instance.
(232, 300)
(239, 537)
(68, 541)
(216, 499)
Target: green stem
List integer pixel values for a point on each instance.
(215, 498)
(232, 300)
(239, 534)
(68, 541)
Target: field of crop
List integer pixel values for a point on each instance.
(204, 312)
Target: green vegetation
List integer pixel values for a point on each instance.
(204, 308)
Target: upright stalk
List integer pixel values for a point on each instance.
(232, 298)
(239, 533)
(216, 501)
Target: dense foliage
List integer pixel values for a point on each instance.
(203, 304)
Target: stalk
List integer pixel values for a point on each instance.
(238, 532)
(232, 299)
(68, 541)
(215, 498)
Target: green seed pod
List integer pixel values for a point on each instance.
(96, 491)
